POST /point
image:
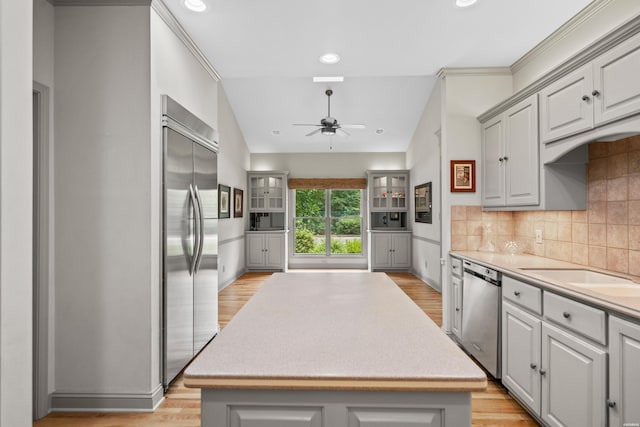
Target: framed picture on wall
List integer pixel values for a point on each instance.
(238, 202)
(463, 176)
(224, 201)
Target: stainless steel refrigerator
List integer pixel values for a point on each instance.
(190, 234)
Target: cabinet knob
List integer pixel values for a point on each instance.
(595, 93)
(506, 158)
(500, 159)
(516, 293)
(611, 403)
(566, 315)
(586, 98)
(533, 366)
(457, 308)
(543, 372)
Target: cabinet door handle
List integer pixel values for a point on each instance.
(543, 372)
(566, 315)
(611, 403)
(595, 93)
(516, 293)
(586, 98)
(533, 366)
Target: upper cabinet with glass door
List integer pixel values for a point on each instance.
(267, 192)
(388, 191)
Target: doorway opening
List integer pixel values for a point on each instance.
(40, 250)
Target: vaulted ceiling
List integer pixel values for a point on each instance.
(267, 53)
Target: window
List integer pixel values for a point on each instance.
(328, 222)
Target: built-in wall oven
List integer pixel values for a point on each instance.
(481, 304)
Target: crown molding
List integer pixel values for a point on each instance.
(474, 71)
(597, 48)
(100, 2)
(163, 11)
(560, 34)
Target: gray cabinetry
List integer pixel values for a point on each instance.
(265, 251)
(559, 376)
(390, 250)
(573, 380)
(388, 191)
(521, 352)
(510, 154)
(267, 191)
(624, 372)
(455, 296)
(601, 91)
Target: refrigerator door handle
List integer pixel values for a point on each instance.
(196, 245)
(201, 229)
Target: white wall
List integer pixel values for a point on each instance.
(15, 212)
(327, 165)
(104, 306)
(43, 64)
(607, 16)
(423, 160)
(233, 164)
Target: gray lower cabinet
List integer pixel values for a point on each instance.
(624, 372)
(390, 250)
(559, 376)
(521, 352)
(455, 297)
(574, 384)
(329, 408)
(265, 251)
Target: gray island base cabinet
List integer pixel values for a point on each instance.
(333, 350)
(624, 372)
(278, 408)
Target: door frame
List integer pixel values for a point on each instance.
(42, 239)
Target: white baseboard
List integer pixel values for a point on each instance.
(107, 402)
(233, 278)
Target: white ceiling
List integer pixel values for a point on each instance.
(267, 53)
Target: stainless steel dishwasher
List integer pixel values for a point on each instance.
(481, 296)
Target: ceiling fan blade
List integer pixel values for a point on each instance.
(353, 126)
(342, 132)
(303, 124)
(313, 132)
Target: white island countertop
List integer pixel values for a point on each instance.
(333, 331)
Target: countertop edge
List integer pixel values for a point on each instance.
(416, 385)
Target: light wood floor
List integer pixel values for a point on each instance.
(181, 407)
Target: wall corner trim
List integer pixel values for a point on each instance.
(163, 11)
(561, 33)
(107, 402)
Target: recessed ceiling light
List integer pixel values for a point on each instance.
(195, 5)
(275, 132)
(336, 79)
(379, 131)
(330, 58)
(465, 3)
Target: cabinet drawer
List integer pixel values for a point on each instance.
(522, 294)
(456, 267)
(576, 317)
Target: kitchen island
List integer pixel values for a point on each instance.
(333, 349)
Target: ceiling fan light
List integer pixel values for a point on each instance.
(330, 58)
(329, 79)
(465, 3)
(328, 131)
(195, 5)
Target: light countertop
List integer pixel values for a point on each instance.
(516, 265)
(333, 331)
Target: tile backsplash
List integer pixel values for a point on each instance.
(606, 235)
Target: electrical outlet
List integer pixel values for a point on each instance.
(538, 236)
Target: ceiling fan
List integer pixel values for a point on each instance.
(329, 125)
